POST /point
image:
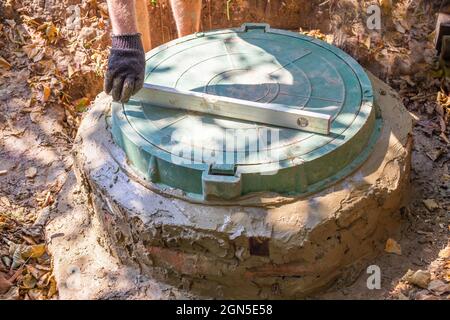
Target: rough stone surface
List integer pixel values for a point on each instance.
(277, 248)
(438, 286)
(419, 278)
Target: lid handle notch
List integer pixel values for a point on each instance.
(255, 26)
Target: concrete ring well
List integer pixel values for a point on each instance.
(280, 248)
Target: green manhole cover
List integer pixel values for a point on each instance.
(209, 156)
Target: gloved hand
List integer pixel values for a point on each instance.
(126, 67)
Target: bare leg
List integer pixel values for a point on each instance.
(143, 23)
(187, 15)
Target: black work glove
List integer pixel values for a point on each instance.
(126, 67)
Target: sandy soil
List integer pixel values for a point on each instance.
(51, 67)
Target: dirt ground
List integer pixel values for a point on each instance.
(52, 56)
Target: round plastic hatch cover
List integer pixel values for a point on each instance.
(207, 156)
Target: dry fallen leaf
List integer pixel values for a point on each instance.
(445, 253)
(46, 93)
(400, 28)
(28, 239)
(368, 42)
(29, 20)
(28, 282)
(35, 272)
(386, 5)
(42, 267)
(4, 64)
(5, 201)
(70, 71)
(393, 247)
(36, 294)
(31, 172)
(401, 296)
(12, 294)
(81, 104)
(18, 260)
(35, 251)
(430, 204)
(34, 52)
(22, 251)
(51, 31)
(316, 33)
(52, 289)
(46, 200)
(44, 280)
(6, 261)
(5, 284)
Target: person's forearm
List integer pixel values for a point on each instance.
(122, 14)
